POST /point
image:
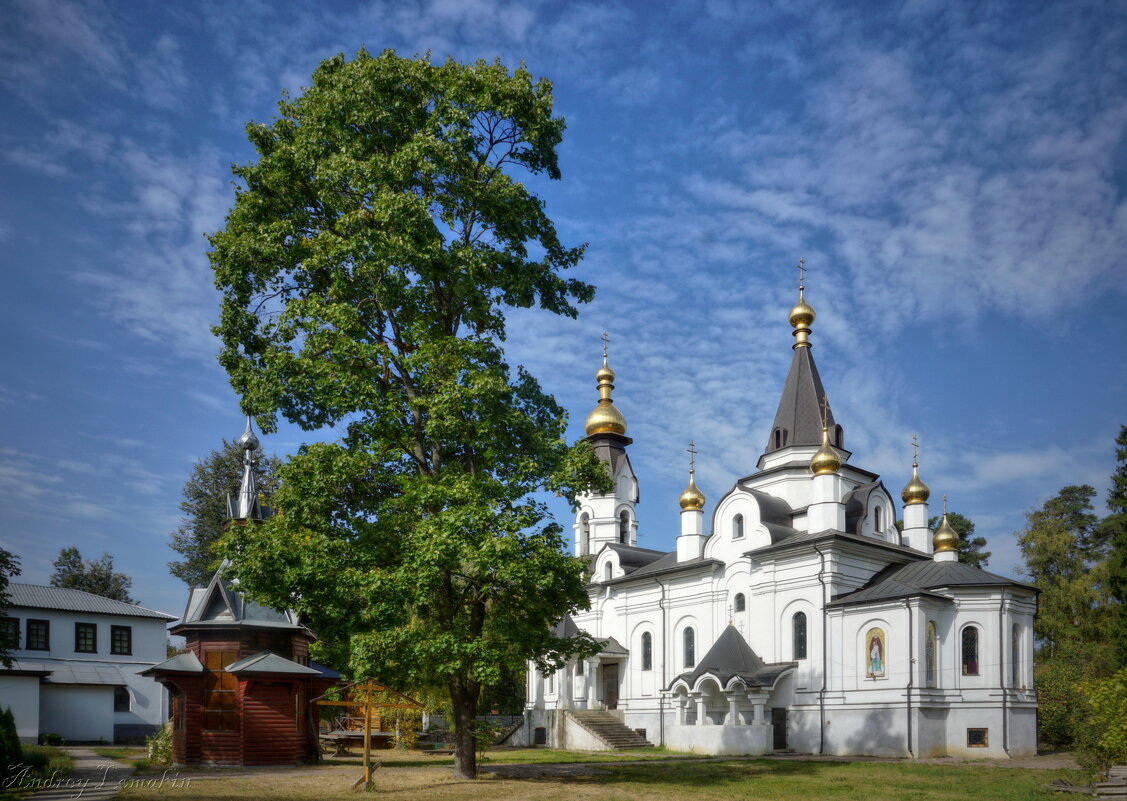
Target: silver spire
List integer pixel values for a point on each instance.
(247, 506)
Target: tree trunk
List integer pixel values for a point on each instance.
(464, 703)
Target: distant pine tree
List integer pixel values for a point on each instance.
(970, 548)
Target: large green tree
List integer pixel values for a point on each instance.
(1113, 530)
(1063, 558)
(211, 481)
(96, 576)
(366, 269)
(970, 546)
(9, 640)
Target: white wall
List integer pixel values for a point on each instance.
(77, 713)
(21, 695)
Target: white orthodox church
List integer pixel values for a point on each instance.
(796, 617)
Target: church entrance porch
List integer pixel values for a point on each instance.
(610, 685)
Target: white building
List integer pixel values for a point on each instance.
(75, 668)
(796, 617)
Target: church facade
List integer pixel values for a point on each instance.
(794, 615)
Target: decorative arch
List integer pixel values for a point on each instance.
(798, 635)
(876, 653)
(969, 650)
(931, 655)
(1015, 656)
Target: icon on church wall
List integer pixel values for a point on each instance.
(875, 648)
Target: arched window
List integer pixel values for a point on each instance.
(738, 527)
(839, 436)
(970, 651)
(741, 602)
(647, 651)
(624, 528)
(877, 527)
(930, 667)
(551, 682)
(798, 626)
(585, 532)
(608, 571)
(690, 639)
(778, 438)
(1015, 656)
(578, 667)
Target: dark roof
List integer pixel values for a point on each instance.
(270, 662)
(630, 557)
(611, 448)
(612, 647)
(800, 407)
(856, 502)
(803, 537)
(566, 628)
(730, 656)
(221, 604)
(772, 509)
(39, 596)
(181, 663)
(917, 578)
(666, 564)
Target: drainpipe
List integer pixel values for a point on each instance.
(825, 655)
(911, 672)
(661, 695)
(1002, 673)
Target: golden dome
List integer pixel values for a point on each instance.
(803, 313)
(915, 491)
(946, 538)
(692, 499)
(826, 460)
(605, 418)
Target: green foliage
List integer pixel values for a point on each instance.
(366, 269)
(506, 696)
(211, 481)
(1062, 556)
(485, 734)
(96, 576)
(1101, 737)
(159, 745)
(9, 745)
(970, 547)
(1061, 712)
(1113, 530)
(9, 641)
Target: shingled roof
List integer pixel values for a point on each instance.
(800, 408)
(730, 657)
(38, 596)
(922, 578)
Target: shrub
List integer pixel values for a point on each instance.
(160, 745)
(9, 743)
(1101, 733)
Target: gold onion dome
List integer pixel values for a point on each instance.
(826, 460)
(915, 491)
(946, 538)
(803, 313)
(605, 418)
(692, 499)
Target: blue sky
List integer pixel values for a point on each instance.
(954, 174)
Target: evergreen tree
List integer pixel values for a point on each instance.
(211, 481)
(1063, 558)
(1113, 529)
(95, 576)
(970, 547)
(9, 566)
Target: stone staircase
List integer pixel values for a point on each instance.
(609, 729)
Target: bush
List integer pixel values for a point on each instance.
(160, 746)
(9, 743)
(51, 739)
(1101, 733)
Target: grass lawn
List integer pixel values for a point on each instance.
(778, 780)
(121, 754)
(507, 756)
(45, 761)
